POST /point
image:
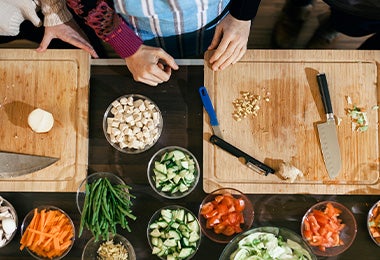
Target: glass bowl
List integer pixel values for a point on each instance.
(9, 220)
(81, 192)
(48, 249)
(292, 239)
(90, 251)
(173, 172)
(224, 213)
(373, 223)
(170, 227)
(132, 123)
(336, 240)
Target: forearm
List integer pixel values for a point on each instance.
(108, 25)
(55, 12)
(244, 9)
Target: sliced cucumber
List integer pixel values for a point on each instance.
(174, 234)
(175, 172)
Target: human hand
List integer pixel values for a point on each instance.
(229, 42)
(68, 32)
(151, 65)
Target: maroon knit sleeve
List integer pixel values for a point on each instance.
(108, 25)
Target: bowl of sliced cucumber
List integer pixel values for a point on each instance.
(174, 232)
(173, 172)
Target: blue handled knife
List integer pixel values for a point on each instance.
(210, 111)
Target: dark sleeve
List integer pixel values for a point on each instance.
(244, 9)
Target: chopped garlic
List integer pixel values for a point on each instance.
(109, 250)
(289, 172)
(247, 105)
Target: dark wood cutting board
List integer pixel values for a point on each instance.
(56, 81)
(284, 129)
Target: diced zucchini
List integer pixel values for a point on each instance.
(185, 252)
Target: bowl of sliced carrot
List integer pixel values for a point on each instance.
(373, 223)
(329, 228)
(47, 232)
(224, 213)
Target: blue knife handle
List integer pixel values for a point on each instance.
(208, 106)
(324, 90)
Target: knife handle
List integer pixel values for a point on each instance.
(240, 154)
(208, 106)
(324, 90)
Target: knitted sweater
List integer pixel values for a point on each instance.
(14, 12)
(127, 37)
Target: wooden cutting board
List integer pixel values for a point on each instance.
(56, 81)
(284, 129)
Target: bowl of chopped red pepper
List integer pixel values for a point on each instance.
(329, 228)
(224, 213)
(373, 223)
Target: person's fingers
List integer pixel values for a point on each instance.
(44, 43)
(82, 44)
(216, 39)
(165, 59)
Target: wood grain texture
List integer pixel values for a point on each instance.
(285, 128)
(56, 81)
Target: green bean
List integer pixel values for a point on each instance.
(105, 207)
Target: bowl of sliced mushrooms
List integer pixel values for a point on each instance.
(132, 123)
(8, 222)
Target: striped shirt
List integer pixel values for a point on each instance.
(162, 18)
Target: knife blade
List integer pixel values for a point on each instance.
(16, 164)
(210, 111)
(249, 160)
(328, 136)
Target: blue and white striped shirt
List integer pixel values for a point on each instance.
(163, 18)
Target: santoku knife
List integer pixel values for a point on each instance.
(15, 164)
(210, 111)
(249, 160)
(327, 131)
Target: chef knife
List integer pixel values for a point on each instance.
(249, 160)
(327, 131)
(15, 164)
(210, 111)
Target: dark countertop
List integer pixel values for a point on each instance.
(182, 111)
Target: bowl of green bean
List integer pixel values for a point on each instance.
(104, 201)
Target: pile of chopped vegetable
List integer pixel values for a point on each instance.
(358, 116)
(374, 223)
(263, 245)
(110, 250)
(49, 234)
(322, 227)
(105, 206)
(224, 214)
(175, 234)
(175, 172)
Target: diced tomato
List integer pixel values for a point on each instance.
(239, 205)
(322, 228)
(207, 208)
(224, 214)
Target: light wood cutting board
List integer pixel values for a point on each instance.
(284, 129)
(56, 81)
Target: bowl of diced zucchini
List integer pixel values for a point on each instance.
(173, 172)
(132, 123)
(174, 233)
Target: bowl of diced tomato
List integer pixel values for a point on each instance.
(224, 213)
(329, 228)
(373, 223)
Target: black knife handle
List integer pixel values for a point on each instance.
(324, 90)
(240, 154)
